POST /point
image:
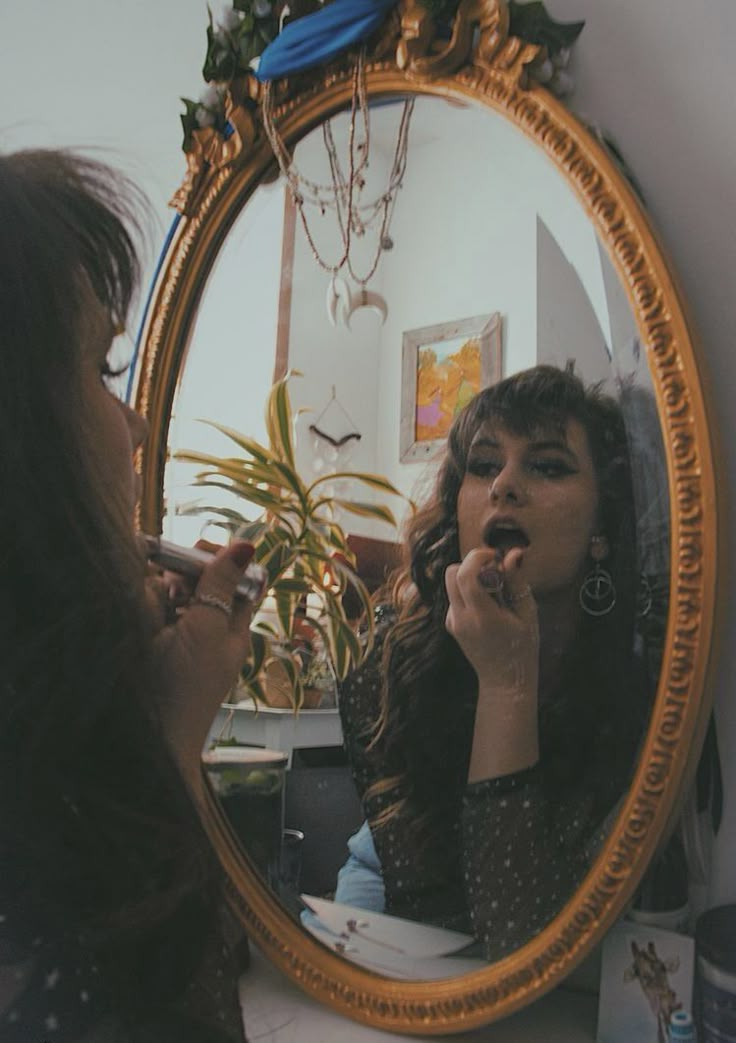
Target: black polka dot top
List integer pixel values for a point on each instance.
(504, 856)
(53, 990)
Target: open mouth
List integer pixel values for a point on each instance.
(504, 536)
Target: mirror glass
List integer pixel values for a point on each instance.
(483, 225)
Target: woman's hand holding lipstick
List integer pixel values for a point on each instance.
(201, 649)
(493, 617)
(492, 613)
(500, 578)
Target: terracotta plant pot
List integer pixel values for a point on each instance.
(278, 690)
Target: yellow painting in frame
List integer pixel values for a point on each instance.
(443, 367)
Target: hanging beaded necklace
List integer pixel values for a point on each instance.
(343, 193)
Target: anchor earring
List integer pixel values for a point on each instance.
(598, 592)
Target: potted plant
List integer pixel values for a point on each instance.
(307, 632)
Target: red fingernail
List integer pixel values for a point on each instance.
(241, 552)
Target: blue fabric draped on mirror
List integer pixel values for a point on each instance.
(317, 38)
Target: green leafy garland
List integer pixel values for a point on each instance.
(242, 34)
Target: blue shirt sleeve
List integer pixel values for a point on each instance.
(360, 881)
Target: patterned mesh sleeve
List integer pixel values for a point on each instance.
(524, 854)
(47, 991)
(506, 861)
(360, 704)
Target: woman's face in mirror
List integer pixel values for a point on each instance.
(536, 492)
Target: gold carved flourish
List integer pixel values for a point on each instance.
(424, 57)
(163, 342)
(479, 35)
(211, 152)
(681, 708)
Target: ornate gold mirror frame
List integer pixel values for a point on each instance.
(481, 64)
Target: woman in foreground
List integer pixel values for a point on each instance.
(110, 923)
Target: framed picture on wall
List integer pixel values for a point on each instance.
(442, 368)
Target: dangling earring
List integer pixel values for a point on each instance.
(597, 592)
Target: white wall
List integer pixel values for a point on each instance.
(659, 75)
(104, 75)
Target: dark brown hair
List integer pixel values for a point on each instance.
(429, 687)
(98, 834)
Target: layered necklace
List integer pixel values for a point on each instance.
(343, 195)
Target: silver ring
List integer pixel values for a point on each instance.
(212, 601)
(520, 597)
(491, 580)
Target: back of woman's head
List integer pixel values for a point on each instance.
(113, 842)
(68, 228)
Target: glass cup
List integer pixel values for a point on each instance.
(249, 782)
(291, 859)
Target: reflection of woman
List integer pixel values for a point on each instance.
(108, 891)
(494, 726)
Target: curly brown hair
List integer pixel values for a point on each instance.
(422, 731)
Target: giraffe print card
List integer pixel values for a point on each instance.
(646, 975)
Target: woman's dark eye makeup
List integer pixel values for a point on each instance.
(111, 373)
(549, 462)
(552, 467)
(116, 354)
(114, 363)
(114, 371)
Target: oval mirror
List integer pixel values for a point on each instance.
(509, 224)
